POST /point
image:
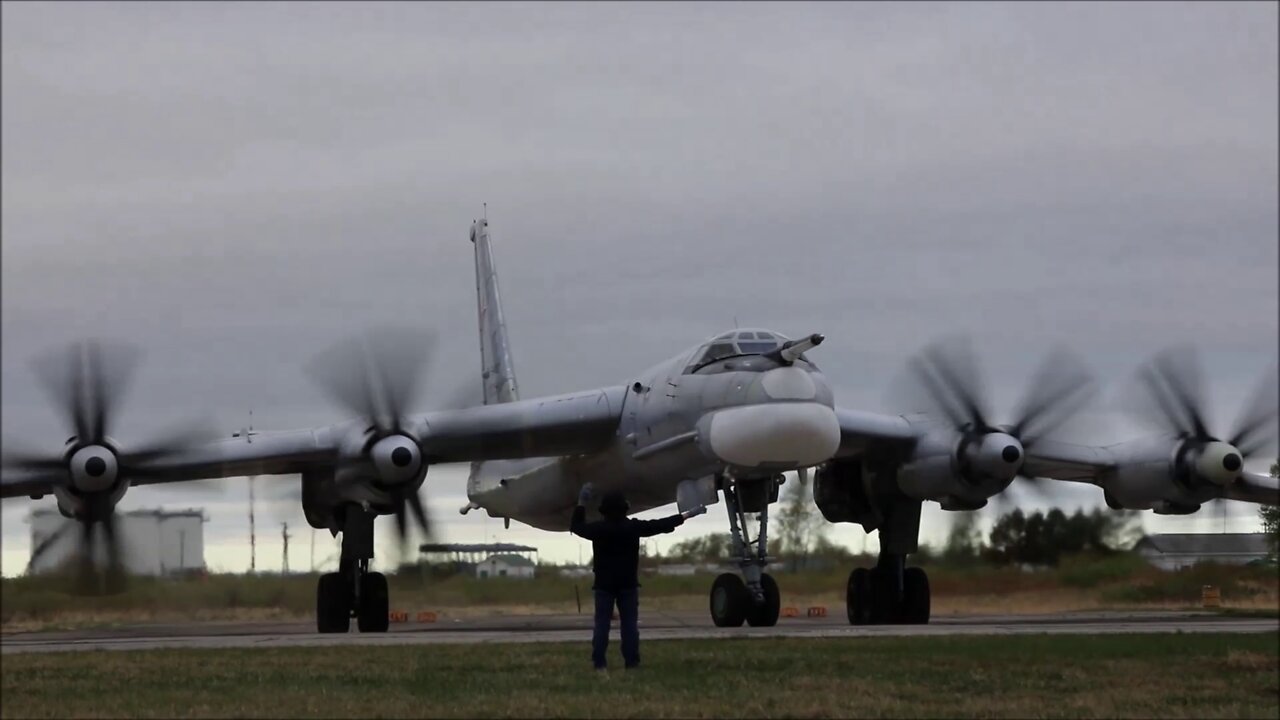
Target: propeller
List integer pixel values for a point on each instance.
(377, 376)
(1173, 399)
(87, 381)
(947, 373)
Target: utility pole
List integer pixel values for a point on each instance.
(284, 533)
(247, 433)
(253, 540)
(313, 550)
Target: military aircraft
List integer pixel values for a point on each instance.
(723, 418)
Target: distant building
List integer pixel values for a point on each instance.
(1172, 551)
(686, 568)
(469, 558)
(505, 565)
(152, 542)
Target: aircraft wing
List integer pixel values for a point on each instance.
(576, 423)
(861, 431)
(1254, 488)
(1068, 461)
(572, 424)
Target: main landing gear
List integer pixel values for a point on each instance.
(752, 597)
(353, 591)
(888, 594)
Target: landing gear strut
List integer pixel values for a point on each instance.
(753, 597)
(891, 592)
(353, 590)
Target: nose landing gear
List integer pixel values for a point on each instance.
(754, 597)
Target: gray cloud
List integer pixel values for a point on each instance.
(235, 186)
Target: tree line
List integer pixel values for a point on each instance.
(799, 535)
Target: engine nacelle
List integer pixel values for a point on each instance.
(960, 472)
(93, 469)
(1171, 476)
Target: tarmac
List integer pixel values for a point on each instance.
(655, 626)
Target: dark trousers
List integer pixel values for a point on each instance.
(628, 602)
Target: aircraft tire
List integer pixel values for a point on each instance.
(333, 604)
(858, 597)
(373, 616)
(729, 601)
(915, 596)
(884, 606)
(765, 614)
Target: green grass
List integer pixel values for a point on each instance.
(1021, 676)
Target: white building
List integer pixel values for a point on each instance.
(152, 542)
(1173, 551)
(505, 565)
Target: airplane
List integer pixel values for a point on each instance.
(724, 418)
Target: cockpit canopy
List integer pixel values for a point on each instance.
(744, 346)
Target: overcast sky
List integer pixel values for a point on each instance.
(234, 187)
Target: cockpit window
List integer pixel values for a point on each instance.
(717, 351)
(741, 350)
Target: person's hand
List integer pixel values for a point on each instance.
(694, 512)
(584, 494)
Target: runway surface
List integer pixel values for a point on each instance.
(577, 628)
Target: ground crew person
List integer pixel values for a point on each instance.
(615, 544)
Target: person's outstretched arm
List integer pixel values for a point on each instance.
(578, 524)
(649, 528)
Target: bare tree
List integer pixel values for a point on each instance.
(800, 526)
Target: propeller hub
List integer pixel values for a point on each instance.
(1232, 462)
(401, 457)
(997, 455)
(93, 468)
(396, 458)
(1219, 463)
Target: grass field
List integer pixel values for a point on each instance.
(1023, 676)
(1118, 582)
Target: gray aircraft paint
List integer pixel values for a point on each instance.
(657, 444)
(497, 368)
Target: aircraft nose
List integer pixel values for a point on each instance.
(773, 435)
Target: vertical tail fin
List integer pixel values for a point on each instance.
(497, 370)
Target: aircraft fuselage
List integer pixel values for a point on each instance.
(674, 425)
